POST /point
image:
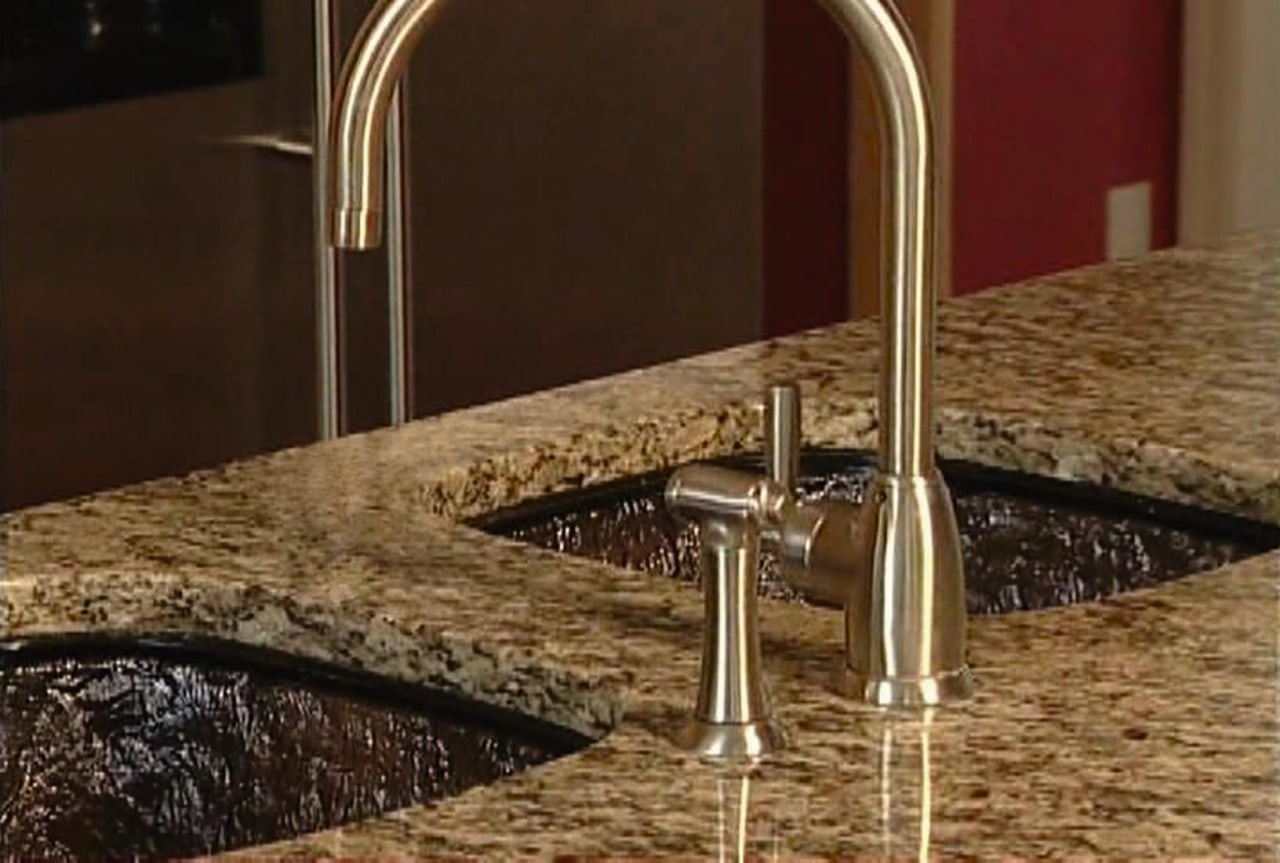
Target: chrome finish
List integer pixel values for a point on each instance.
(822, 551)
(817, 546)
(399, 298)
(782, 434)
(904, 617)
(905, 638)
(905, 624)
(906, 378)
(374, 66)
(732, 718)
(701, 490)
(331, 406)
(732, 742)
(288, 144)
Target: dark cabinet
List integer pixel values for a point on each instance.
(585, 198)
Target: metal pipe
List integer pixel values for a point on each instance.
(370, 75)
(330, 409)
(399, 296)
(782, 425)
(907, 318)
(331, 369)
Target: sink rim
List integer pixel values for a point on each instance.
(272, 666)
(1102, 499)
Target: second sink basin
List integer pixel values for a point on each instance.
(1028, 542)
(149, 748)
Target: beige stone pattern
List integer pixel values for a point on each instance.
(1143, 726)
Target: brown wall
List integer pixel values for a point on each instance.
(586, 190)
(586, 199)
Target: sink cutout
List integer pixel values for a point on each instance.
(151, 748)
(1028, 542)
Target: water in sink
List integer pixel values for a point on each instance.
(1028, 542)
(113, 749)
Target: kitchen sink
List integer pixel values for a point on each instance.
(161, 748)
(1028, 542)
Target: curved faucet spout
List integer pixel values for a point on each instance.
(390, 34)
(377, 59)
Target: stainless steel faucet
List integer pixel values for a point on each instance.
(894, 563)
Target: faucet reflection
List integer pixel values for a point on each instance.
(906, 787)
(739, 838)
(761, 815)
(895, 564)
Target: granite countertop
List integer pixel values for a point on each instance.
(1138, 727)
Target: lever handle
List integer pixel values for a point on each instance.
(782, 434)
(700, 491)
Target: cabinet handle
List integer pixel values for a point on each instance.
(293, 146)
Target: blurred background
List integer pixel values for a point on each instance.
(593, 187)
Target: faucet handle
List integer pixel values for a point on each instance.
(816, 544)
(782, 434)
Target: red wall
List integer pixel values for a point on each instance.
(805, 155)
(1055, 102)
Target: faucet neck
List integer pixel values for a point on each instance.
(908, 297)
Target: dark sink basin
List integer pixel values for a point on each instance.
(1028, 542)
(162, 749)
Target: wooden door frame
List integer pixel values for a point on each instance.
(933, 24)
(1229, 176)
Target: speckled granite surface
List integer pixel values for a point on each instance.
(1140, 727)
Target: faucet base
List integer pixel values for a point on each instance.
(932, 691)
(905, 617)
(732, 741)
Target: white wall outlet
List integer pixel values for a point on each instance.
(1128, 221)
